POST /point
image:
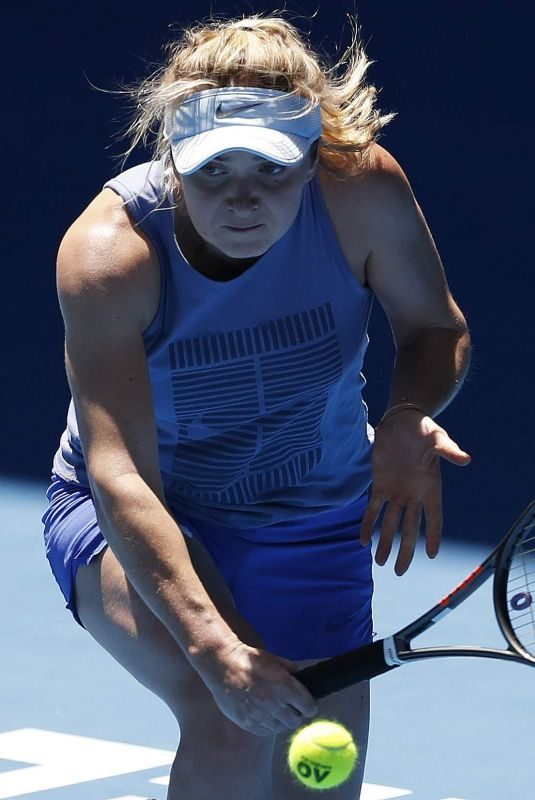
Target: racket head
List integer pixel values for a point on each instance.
(514, 585)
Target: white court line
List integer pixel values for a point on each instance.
(129, 797)
(370, 791)
(163, 781)
(61, 759)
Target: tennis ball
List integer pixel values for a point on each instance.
(322, 755)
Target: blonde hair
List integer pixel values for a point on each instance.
(268, 52)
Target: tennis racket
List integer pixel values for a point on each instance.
(513, 565)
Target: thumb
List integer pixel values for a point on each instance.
(289, 665)
(449, 450)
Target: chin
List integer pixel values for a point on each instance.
(245, 249)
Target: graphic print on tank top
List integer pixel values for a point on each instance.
(249, 404)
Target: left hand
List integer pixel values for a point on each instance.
(406, 477)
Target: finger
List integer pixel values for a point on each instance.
(274, 726)
(432, 505)
(260, 730)
(254, 725)
(301, 699)
(291, 666)
(369, 519)
(409, 537)
(290, 717)
(449, 450)
(389, 528)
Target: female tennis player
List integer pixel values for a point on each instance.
(218, 467)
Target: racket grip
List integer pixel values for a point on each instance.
(344, 670)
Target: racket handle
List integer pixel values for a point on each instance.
(344, 670)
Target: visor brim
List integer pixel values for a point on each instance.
(194, 152)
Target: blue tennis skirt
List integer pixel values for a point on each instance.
(305, 585)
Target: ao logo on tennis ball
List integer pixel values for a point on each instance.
(311, 771)
(322, 755)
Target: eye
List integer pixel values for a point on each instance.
(272, 169)
(212, 169)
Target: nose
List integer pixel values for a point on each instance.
(242, 200)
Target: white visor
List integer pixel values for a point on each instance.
(271, 124)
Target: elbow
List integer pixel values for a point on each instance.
(463, 333)
(464, 349)
(110, 490)
(113, 491)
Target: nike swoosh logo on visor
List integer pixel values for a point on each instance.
(224, 110)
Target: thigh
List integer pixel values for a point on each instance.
(351, 707)
(102, 600)
(118, 619)
(210, 744)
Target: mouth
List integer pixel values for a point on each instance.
(240, 229)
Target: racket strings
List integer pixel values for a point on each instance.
(521, 578)
(521, 589)
(531, 550)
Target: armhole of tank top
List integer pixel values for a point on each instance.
(331, 236)
(152, 331)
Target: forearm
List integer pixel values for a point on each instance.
(151, 548)
(430, 369)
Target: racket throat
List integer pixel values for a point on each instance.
(392, 647)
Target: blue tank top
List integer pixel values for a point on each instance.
(256, 381)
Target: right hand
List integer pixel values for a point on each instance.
(257, 691)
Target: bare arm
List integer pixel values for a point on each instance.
(406, 274)
(105, 274)
(404, 270)
(430, 369)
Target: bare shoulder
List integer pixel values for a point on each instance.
(380, 180)
(107, 292)
(103, 250)
(359, 205)
(376, 212)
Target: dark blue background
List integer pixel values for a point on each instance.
(459, 75)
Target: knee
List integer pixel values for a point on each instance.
(201, 720)
(214, 752)
(206, 726)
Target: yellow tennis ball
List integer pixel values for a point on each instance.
(322, 755)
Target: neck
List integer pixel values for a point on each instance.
(203, 256)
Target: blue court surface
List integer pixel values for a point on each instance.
(74, 725)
